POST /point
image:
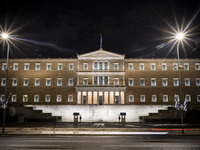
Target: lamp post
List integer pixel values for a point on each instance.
(5, 37)
(179, 37)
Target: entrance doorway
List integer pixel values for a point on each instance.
(100, 100)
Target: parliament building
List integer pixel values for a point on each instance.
(100, 85)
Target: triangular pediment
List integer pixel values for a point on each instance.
(100, 54)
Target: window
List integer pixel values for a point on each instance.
(60, 66)
(48, 82)
(142, 82)
(164, 82)
(131, 98)
(3, 98)
(130, 81)
(15, 66)
(116, 66)
(47, 98)
(188, 98)
(141, 66)
(36, 98)
(70, 98)
(14, 98)
(100, 65)
(106, 67)
(106, 80)
(164, 66)
(71, 66)
(176, 82)
(4, 66)
(154, 98)
(95, 65)
(59, 98)
(165, 98)
(198, 98)
(153, 82)
(100, 80)
(197, 66)
(153, 66)
(25, 82)
(3, 82)
(48, 67)
(130, 66)
(142, 98)
(95, 80)
(197, 81)
(175, 66)
(25, 98)
(70, 82)
(37, 82)
(85, 66)
(116, 81)
(187, 82)
(14, 82)
(26, 66)
(85, 81)
(186, 66)
(37, 66)
(59, 82)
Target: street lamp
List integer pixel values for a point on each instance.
(179, 38)
(5, 37)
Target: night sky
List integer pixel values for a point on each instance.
(63, 29)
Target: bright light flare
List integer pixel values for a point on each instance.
(4, 36)
(180, 36)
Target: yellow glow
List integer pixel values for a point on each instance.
(4, 35)
(180, 36)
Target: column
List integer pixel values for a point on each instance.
(86, 97)
(119, 97)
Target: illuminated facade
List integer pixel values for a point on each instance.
(100, 81)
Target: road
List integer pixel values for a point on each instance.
(144, 142)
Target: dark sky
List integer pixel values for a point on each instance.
(55, 28)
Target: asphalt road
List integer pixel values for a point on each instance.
(147, 142)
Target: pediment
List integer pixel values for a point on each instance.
(100, 54)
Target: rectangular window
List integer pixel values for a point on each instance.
(142, 82)
(100, 80)
(25, 98)
(187, 82)
(59, 82)
(85, 66)
(85, 81)
(106, 67)
(59, 98)
(71, 66)
(153, 82)
(25, 82)
(36, 98)
(188, 98)
(100, 65)
(176, 81)
(3, 98)
(197, 66)
(95, 65)
(175, 66)
(47, 98)
(154, 98)
(37, 82)
(131, 98)
(130, 82)
(4, 66)
(14, 98)
(130, 66)
(3, 82)
(26, 66)
(116, 81)
(106, 80)
(197, 81)
(48, 67)
(15, 66)
(165, 98)
(37, 66)
(70, 82)
(164, 82)
(142, 98)
(164, 66)
(141, 66)
(153, 66)
(14, 82)
(116, 66)
(70, 98)
(48, 82)
(198, 98)
(95, 80)
(60, 66)
(186, 66)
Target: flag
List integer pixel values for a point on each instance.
(177, 103)
(185, 103)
